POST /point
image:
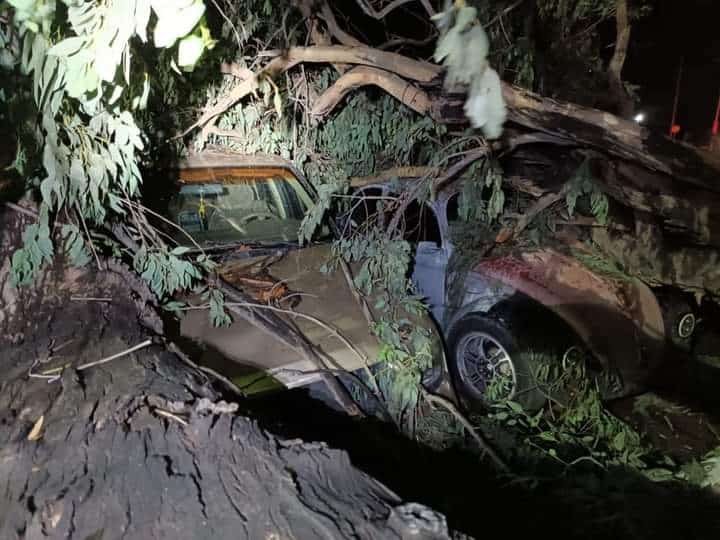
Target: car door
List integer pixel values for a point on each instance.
(422, 229)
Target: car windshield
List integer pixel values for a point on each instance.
(226, 205)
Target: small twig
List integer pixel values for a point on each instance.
(89, 240)
(541, 204)
(167, 414)
(230, 23)
(90, 299)
(44, 376)
(143, 208)
(503, 13)
(53, 374)
(370, 11)
(481, 442)
(172, 347)
(585, 458)
(115, 356)
(22, 210)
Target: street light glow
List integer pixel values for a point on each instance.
(640, 118)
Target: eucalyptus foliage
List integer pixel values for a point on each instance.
(406, 347)
(88, 82)
(463, 48)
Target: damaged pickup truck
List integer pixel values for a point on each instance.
(247, 211)
(503, 312)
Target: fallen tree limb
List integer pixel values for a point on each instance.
(613, 136)
(403, 66)
(484, 445)
(399, 88)
(510, 233)
(370, 11)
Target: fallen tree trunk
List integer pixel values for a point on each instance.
(639, 169)
(142, 446)
(610, 134)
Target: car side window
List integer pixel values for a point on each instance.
(453, 209)
(420, 224)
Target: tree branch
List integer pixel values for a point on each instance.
(509, 233)
(409, 68)
(397, 87)
(623, 100)
(341, 35)
(276, 327)
(483, 444)
(504, 12)
(370, 11)
(331, 54)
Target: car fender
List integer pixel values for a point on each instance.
(619, 320)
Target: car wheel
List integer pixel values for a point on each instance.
(679, 319)
(488, 362)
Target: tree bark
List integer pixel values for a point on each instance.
(614, 136)
(143, 446)
(398, 64)
(399, 88)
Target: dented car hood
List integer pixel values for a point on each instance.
(295, 283)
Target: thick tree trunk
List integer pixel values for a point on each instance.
(142, 446)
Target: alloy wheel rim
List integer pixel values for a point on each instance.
(686, 326)
(481, 358)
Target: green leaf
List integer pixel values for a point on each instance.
(67, 47)
(189, 51)
(174, 306)
(515, 407)
(176, 23)
(180, 250)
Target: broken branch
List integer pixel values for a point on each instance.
(400, 89)
(416, 70)
(484, 445)
(543, 203)
(370, 11)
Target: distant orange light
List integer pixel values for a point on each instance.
(675, 129)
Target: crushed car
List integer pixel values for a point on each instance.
(246, 210)
(503, 313)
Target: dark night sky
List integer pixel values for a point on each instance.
(677, 28)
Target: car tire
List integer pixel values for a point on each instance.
(490, 336)
(679, 319)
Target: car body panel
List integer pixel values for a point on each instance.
(326, 297)
(618, 320)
